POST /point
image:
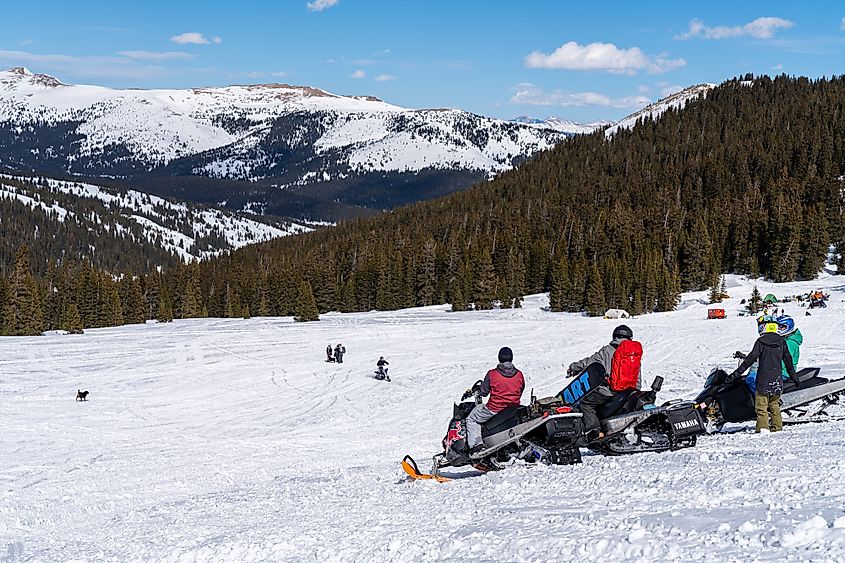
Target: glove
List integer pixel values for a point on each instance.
(570, 372)
(797, 383)
(467, 394)
(733, 376)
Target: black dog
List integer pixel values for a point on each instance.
(81, 395)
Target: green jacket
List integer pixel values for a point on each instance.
(793, 344)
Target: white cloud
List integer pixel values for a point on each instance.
(358, 74)
(528, 94)
(157, 55)
(194, 38)
(320, 5)
(777, 67)
(85, 67)
(643, 89)
(761, 28)
(384, 78)
(842, 24)
(602, 56)
(28, 42)
(217, 40)
(260, 74)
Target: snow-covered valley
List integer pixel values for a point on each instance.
(232, 440)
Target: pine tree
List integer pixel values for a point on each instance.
(755, 303)
(71, 321)
(715, 292)
(560, 284)
(485, 281)
(458, 301)
(723, 288)
(595, 293)
(22, 312)
(306, 305)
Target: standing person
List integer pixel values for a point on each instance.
(770, 352)
(383, 370)
(329, 357)
(339, 351)
(505, 385)
(620, 360)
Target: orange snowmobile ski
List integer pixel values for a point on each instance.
(410, 467)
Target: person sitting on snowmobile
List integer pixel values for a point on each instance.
(603, 393)
(770, 352)
(381, 369)
(794, 340)
(505, 385)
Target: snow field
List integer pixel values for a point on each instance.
(232, 440)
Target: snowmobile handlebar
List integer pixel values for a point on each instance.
(739, 355)
(474, 390)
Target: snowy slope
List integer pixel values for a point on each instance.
(652, 111)
(131, 131)
(232, 440)
(187, 230)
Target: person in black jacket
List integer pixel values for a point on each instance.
(771, 352)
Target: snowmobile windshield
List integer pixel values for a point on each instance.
(717, 377)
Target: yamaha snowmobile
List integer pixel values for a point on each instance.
(720, 402)
(545, 431)
(631, 421)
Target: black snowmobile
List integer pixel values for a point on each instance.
(545, 431)
(721, 402)
(381, 375)
(631, 421)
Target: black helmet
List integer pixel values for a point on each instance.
(623, 331)
(505, 355)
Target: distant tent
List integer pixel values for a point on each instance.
(770, 299)
(616, 314)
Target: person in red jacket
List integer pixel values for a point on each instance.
(505, 385)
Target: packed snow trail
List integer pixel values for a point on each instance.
(217, 439)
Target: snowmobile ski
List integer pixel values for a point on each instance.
(410, 467)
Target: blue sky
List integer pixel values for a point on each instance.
(599, 60)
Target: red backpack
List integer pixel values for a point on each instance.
(625, 367)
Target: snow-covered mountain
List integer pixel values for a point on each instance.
(287, 136)
(186, 230)
(677, 100)
(562, 125)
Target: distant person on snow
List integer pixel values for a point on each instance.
(620, 360)
(505, 385)
(772, 354)
(339, 351)
(329, 357)
(381, 369)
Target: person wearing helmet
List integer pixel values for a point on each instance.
(794, 340)
(770, 352)
(505, 385)
(603, 393)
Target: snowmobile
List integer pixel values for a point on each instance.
(545, 431)
(381, 374)
(720, 402)
(632, 422)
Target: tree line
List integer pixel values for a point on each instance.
(747, 179)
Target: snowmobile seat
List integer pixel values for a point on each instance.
(622, 402)
(501, 421)
(808, 378)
